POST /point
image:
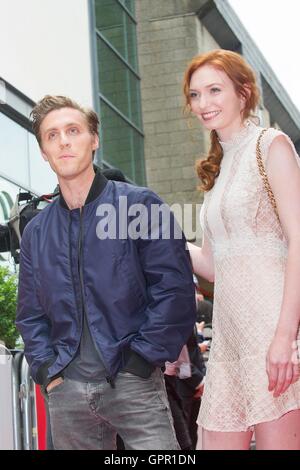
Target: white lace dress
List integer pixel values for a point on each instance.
(250, 253)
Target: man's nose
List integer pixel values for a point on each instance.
(64, 140)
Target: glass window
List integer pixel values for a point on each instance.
(42, 179)
(131, 42)
(118, 84)
(122, 145)
(13, 151)
(118, 28)
(21, 160)
(8, 193)
(130, 5)
(21, 164)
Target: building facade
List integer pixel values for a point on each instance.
(125, 58)
(170, 33)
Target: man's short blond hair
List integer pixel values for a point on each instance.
(50, 103)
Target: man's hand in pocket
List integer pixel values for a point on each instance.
(54, 384)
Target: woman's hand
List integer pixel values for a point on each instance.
(282, 364)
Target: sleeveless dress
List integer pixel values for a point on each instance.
(250, 253)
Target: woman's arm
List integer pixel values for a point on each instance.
(202, 259)
(284, 175)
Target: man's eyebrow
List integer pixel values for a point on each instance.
(66, 125)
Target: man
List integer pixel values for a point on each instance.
(99, 315)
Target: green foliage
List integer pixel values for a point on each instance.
(8, 305)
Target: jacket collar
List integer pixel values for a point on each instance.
(96, 189)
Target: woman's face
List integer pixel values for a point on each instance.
(214, 101)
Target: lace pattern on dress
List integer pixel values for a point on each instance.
(250, 259)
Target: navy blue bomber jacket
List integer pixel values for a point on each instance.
(138, 294)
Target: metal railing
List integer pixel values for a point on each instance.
(18, 416)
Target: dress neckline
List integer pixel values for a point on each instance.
(238, 137)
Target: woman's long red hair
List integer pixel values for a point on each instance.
(244, 81)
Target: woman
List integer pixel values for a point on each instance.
(253, 256)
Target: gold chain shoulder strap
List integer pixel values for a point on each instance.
(263, 174)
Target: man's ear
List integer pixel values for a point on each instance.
(44, 155)
(95, 144)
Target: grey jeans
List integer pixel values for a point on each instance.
(88, 415)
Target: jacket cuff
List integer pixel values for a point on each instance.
(137, 365)
(42, 373)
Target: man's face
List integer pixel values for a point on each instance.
(67, 143)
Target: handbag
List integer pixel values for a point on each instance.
(263, 174)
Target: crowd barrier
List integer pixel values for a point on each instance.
(22, 408)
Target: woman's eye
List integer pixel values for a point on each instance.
(193, 95)
(215, 90)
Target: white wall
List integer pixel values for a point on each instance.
(45, 48)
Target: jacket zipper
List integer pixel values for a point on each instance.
(109, 379)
